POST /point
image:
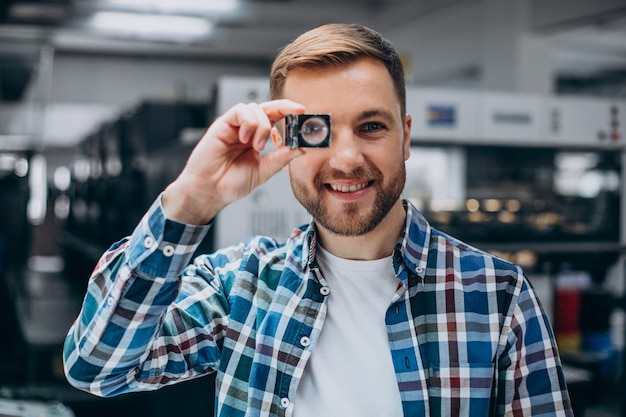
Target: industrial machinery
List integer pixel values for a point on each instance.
(540, 181)
(517, 169)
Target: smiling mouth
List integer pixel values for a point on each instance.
(348, 188)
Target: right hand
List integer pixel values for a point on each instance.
(226, 164)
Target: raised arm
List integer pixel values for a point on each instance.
(144, 322)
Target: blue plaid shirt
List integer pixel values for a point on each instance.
(467, 335)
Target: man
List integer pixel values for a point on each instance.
(367, 311)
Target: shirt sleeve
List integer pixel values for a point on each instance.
(530, 377)
(147, 319)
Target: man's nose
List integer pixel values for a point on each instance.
(345, 150)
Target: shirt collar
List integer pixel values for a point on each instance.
(411, 248)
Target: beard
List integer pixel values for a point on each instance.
(350, 220)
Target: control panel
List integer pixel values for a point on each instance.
(474, 117)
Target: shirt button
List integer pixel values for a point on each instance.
(148, 242)
(168, 250)
(419, 270)
(324, 290)
(110, 301)
(284, 402)
(305, 341)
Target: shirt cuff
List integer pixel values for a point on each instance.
(160, 247)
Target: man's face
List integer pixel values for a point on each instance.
(351, 186)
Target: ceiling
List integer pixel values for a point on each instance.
(589, 35)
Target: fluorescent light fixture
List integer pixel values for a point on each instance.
(178, 6)
(151, 25)
(37, 204)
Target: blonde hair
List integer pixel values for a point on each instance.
(335, 45)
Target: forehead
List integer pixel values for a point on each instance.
(364, 82)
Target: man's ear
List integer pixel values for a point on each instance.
(407, 136)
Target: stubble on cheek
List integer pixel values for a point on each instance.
(352, 219)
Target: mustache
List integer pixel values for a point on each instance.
(359, 173)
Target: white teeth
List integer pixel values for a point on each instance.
(347, 188)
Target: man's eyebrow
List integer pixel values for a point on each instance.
(367, 114)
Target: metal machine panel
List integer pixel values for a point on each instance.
(499, 118)
(514, 119)
(443, 114)
(270, 210)
(585, 121)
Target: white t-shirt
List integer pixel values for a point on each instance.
(350, 372)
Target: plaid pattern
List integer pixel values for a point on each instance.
(467, 334)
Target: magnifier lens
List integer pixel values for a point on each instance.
(314, 130)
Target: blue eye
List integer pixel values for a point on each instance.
(373, 126)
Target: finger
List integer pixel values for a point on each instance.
(244, 118)
(263, 127)
(279, 109)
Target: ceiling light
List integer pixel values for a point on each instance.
(151, 25)
(178, 6)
